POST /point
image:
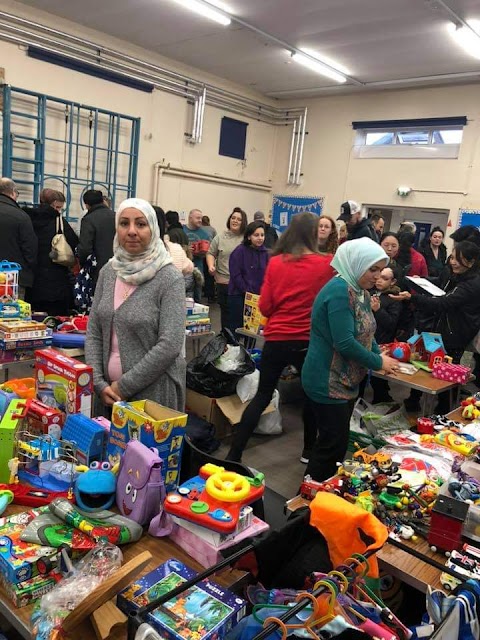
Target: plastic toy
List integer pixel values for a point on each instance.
(399, 350)
(8, 427)
(214, 498)
(95, 489)
(447, 518)
(87, 435)
(6, 497)
(106, 524)
(31, 497)
(309, 487)
(370, 455)
(455, 442)
(47, 529)
(427, 347)
(44, 420)
(9, 280)
(22, 387)
(425, 426)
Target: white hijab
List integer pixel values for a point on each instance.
(136, 269)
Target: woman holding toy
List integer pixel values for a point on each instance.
(136, 328)
(342, 348)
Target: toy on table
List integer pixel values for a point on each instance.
(89, 438)
(30, 496)
(48, 530)
(95, 489)
(9, 281)
(399, 350)
(44, 420)
(425, 426)
(371, 455)
(9, 425)
(455, 442)
(6, 497)
(428, 348)
(22, 387)
(447, 519)
(105, 525)
(214, 497)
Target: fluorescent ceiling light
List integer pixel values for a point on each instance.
(205, 10)
(318, 67)
(466, 38)
(321, 58)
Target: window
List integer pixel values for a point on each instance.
(420, 138)
(233, 137)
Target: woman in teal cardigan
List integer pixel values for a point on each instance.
(342, 348)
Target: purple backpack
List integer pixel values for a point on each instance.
(140, 488)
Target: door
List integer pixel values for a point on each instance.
(422, 233)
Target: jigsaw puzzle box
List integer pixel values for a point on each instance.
(206, 611)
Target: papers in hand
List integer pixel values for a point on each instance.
(426, 286)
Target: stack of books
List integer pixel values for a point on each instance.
(19, 339)
(198, 318)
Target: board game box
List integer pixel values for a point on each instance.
(25, 592)
(206, 611)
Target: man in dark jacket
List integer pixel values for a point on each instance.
(18, 242)
(97, 231)
(357, 225)
(271, 236)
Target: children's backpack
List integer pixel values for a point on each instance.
(140, 488)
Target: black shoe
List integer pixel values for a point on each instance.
(384, 400)
(234, 456)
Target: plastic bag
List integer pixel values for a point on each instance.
(204, 377)
(270, 424)
(248, 385)
(230, 359)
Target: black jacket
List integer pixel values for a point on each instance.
(362, 229)
(432, 264)
(52, 281)
(387, 316)
(18, 242)
(271, 236)
(97, 231)
(457, 314)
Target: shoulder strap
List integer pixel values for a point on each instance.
(59, 224)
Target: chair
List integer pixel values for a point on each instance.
(193, 458)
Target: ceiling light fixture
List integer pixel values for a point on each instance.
(205, 10)
(315, 65)
(467, 36)
(328, 61)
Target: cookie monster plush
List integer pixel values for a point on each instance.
(95, 489)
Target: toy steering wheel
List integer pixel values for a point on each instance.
(227, 486)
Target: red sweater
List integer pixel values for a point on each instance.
(419, 265)
(288, 292)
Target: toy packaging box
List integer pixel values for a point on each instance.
(253, 320)
(203, 551)
(64, 383)
(44, 420)
(25, 592)
(206, 611)
(154, 426)
(10, 424)
(18, 559)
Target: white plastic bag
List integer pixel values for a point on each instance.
(229, 360)
(248, 385)
(270, 424)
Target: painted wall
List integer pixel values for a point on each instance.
(164, 120)
(331, 169)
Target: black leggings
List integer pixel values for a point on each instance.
(333, 427)
(276, 355)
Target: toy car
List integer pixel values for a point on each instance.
(370, 455)
(46, 564)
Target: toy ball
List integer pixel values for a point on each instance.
(400, 351)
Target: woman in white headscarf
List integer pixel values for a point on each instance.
(342, 349)
(136, 328)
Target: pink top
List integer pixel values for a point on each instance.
(123, 290)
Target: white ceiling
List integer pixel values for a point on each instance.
(378, 41)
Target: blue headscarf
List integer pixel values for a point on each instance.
(355, 257)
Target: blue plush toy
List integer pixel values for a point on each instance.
(95, 489)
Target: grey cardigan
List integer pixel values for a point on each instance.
(150, 326)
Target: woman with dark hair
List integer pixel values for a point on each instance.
(327, 235)
(218, 257)
(411, 261)
(176, 251)
(435, 253)
(52, 289)
(457, 313)
(247, 266)
(295, 274)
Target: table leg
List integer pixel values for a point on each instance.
(427, 404)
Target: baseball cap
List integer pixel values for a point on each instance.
(259, 215)
(348, 209)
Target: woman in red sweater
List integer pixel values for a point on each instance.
(295, 274)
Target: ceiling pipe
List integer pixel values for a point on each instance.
(458, 20)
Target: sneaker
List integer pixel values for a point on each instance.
(305, 457)
(304, 460)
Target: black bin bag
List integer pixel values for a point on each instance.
(205, 378)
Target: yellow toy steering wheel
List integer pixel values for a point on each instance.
(227, 486)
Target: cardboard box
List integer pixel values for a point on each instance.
(215, 538)
(154, 426)
(44, 420)
(206, 553)
(63, 382)
(253, 320)
(224, 413)
(26, 592)
(207, 610)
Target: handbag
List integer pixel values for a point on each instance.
(61, 252)
(83, 288)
